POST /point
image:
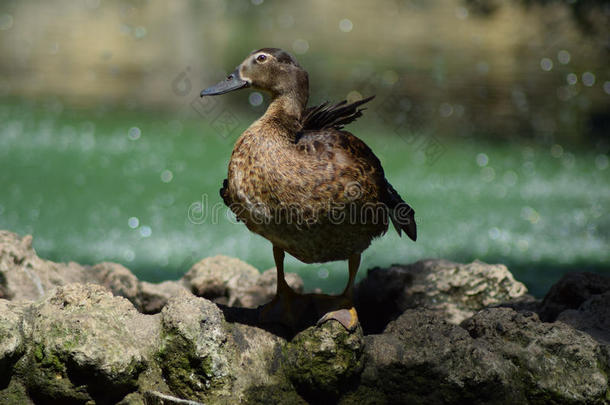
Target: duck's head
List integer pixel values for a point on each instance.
(268, 69)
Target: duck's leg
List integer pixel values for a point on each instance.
(279, 308)
(282, 285)
(346, 315)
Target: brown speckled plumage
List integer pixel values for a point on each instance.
(299, 180)
(323, 170)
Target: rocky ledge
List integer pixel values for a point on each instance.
(432, 332)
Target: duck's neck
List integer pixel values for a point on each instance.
(287, 110)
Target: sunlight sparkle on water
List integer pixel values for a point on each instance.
(482, 159)
(323, 273)
(134, 133)
(166, 176)
(145, 231)
(556, 151)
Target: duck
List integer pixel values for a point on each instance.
(297, 178)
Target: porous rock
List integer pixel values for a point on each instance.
(571, 292)
(222, 279)
(11, 338)
(441, 333)
(554, 362)
(457, 290)
(25, 276)
(85, 344)
(229, 281)
(592, 317)
(324, 361)
(499, 356)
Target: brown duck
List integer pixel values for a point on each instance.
(306, 185)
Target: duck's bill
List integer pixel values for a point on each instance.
(232, 82)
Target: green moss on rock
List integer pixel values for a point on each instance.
(323, 362)
(47, 378)
(86, 345)
(278, 394)
(12, 345)
(196, 356)
(187, 374)
(15, 393)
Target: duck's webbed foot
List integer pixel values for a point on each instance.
(346, 317)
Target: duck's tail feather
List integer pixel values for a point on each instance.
(224, 193)
(401, 213)
(333, 116)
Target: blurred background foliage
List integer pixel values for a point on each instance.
(497, 68)
(105, 144)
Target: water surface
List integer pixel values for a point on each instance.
(93, 186)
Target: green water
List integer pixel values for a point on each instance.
(96, 186)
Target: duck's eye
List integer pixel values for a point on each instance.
(261, 58)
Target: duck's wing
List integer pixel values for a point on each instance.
(335, 116)
(348, 167)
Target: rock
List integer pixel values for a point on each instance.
(64, 342)
(323, 362)
(205, 359)
(25, 276)
(85, 344)
(570, 292)
(259, 377)
(234, 283)
(498, 356)
(592, 317)
(553, 362)
(221, 278)
(422, 358)
(11, 339)
(153, 297)
(148, 298)
(117, 279)
(264, 288)
(458, 290)
(15, 393)
(196, 354)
